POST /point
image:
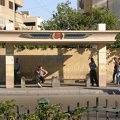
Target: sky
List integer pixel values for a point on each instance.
(44, 8)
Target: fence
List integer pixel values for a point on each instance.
(98, 109)
(87, 111)
(106, 109)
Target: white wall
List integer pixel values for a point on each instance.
(39, 21)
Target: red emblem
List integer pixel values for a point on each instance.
(58, 35)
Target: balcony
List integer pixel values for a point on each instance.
(19, 3)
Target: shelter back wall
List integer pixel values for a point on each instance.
(69, 64)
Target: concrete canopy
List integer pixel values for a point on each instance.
(64, 37)
(23, 37)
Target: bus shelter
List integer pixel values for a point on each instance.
(23, 37)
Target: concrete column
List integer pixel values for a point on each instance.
(9, 66)
(102, 64)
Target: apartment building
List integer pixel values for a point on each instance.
(9, 13)
(32, 23)
(113, 5)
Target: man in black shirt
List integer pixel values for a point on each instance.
(93, 74)
(115, 69)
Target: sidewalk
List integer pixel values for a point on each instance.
(64, 89)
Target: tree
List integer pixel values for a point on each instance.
(67, 18)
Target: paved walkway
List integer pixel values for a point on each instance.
(64, 89)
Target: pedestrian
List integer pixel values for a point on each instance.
(118, 72)
(115, 69)
(40, 74)
(93, 73)
(16, 70)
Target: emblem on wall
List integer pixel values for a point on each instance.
(57, 35)
(36, 35)
(76, 35)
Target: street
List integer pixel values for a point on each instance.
(66, 100)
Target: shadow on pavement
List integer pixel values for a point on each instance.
(111, 89)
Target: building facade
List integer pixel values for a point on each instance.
(12, 18)
(32, 23)
(113, 5)
(9, 12)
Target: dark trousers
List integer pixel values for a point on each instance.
(114, 73)
(15, 77)
(38, 79)
(93, 77)
(42, 79)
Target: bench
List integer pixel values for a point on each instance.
(55, 81)
(87, 80)
(25, 80)
(22, 82)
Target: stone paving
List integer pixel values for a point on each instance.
(64, 89)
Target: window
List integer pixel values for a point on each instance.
(10, 5)
(2, 2)
(16, 7)
(10, 21)
(29, 23)
(2, 20)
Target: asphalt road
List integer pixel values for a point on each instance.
(66, 100)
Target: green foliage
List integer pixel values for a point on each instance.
(44, 47)
(31, 47)
(7, 110)
(78, 113)
(67, 18)
(2, 45)
(53, 111)
(101, 15)
(30, 117)
(116, 44)
(42, 112)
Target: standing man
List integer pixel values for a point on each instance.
(115, 69)
(118, 72)
(93, 74)
(41, 73)
(16, 70)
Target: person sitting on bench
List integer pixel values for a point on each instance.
(40, 74)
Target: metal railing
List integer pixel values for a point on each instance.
(98, 109)
(89, 110)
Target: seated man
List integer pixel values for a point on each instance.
(40, 74)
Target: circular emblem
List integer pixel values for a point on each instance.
(58, 36)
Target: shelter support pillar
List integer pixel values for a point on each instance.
(9, 66)
(102, 64)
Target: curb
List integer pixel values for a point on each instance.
(57, 91)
